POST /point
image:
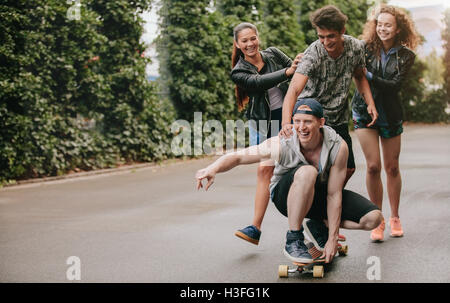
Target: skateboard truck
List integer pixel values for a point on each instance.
(316, 267)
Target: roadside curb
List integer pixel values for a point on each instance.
(93, 173)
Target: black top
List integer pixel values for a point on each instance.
(246, 76)
(385, 87)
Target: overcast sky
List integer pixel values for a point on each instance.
(415, 3)
(150, 33)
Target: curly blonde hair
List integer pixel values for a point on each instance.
(407, 36)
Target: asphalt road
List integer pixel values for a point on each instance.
(151, 225)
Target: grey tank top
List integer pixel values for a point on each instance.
(291, 156)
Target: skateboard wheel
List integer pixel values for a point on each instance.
(283, 271)
(318, 271)
(343, 250)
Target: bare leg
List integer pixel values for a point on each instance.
(301, 194)
(368, 222)
(264, 173)
(391, 153)
(368, 139)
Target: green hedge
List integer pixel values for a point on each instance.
(73, 93)
(420, 103)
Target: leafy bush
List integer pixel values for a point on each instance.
(429, 109)
(194, 54)
(73, 93)
(420, 103)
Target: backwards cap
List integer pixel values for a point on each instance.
(316, 108)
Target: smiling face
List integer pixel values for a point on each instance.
(307, 127)
(332, 40)
(248, 42)
(387, 28)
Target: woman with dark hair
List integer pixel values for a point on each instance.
(262, 79)
(389, 38)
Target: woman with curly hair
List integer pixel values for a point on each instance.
(389, 38)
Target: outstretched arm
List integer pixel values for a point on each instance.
(255, 82)
(269, 149)
(336, 181)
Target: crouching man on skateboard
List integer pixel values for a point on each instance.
(308, 182)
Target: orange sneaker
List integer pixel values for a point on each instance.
(378, 233)
(396, 227)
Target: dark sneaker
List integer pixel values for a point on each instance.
(250, 234)
(295, 249)
(317, 232)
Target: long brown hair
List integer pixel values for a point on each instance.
(407, 36)
(240, 93)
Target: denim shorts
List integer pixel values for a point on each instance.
(257, 137)
(385, 132)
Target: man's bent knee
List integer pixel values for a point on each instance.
(371, 220)
(265, 171)
(306, 173)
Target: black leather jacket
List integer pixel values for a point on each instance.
(246, 76)
(385, 87)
